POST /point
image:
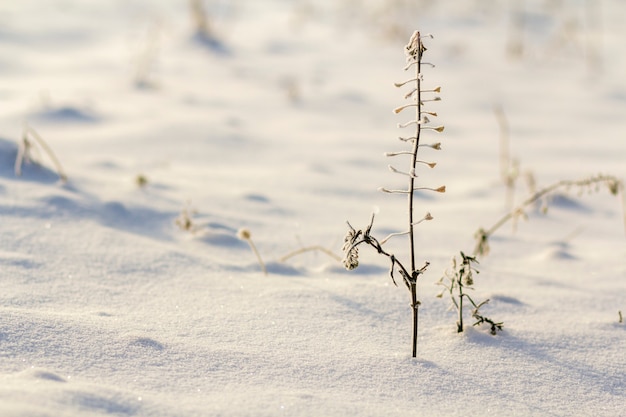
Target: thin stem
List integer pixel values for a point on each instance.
(416, 144)
(441, 189)
(407, 124)
(24, 152)
(389, 236)
(258, 256)
(459, 323)
(407, 81)
(415, 308)
(397, 171)
(390, 154)
(418, 116)
(244, 234)
(310, 249)
(505, 142)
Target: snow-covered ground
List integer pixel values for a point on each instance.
(278, 123)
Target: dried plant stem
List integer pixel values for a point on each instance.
(507, 171)
(310, 249)
(416, 142)
(23, 152)
(414, 51)
(244, 234)
(459, 323)
(199, 16)
(415, 306)
(418, 129)
(355, 238)
(615, 186)
(455, 281)
(258, 256)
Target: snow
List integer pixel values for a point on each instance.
(279, 124)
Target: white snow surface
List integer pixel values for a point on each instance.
(278, 123)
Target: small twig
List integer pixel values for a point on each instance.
(508, 169)
(310, 249)
(25, 149)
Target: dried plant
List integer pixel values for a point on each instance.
(26, 152)
(418, 97)
(455, 281)
(141, 181)
(185, 219)
(245, 234)
(614, 185)
(509, 167)
(145, 56)
(204, 28)
(313, 248)
(200, 19)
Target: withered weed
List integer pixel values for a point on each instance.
(246, 235)
(590, 184)
(458, 279)
(27, 149)
(418, 96)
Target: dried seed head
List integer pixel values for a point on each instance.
(482, 242)
(413, 47)
(441, 189)
(351, 260)
(351, 252)
(184, 222)
(614, 187)
(141, 180)
(244, 234)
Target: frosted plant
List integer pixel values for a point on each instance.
(312, 248)
(27, 148)
(245, 234)
(185, 221)
(591, 184)
(200, 18)
(455, 281)
(205, 32)
(418, 96)
(141, 181)
(509, 167)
